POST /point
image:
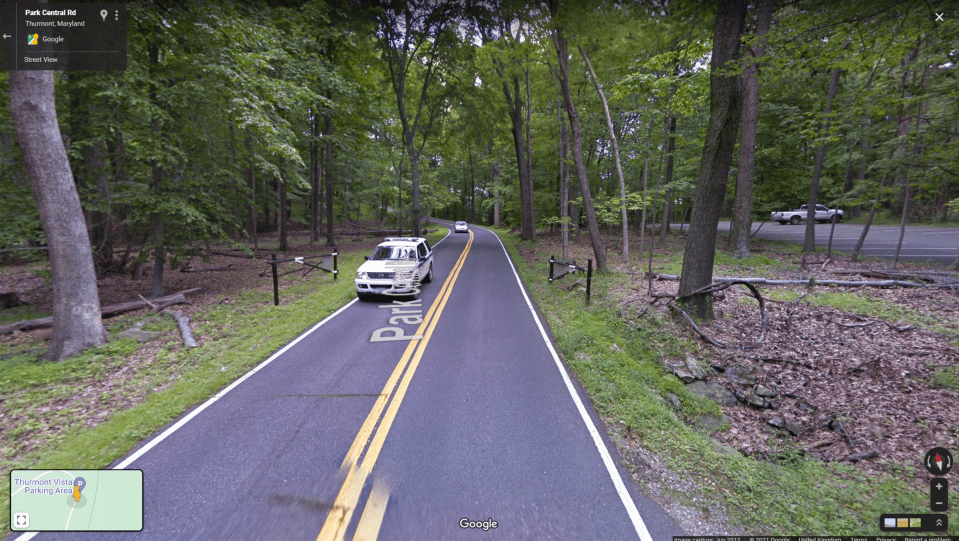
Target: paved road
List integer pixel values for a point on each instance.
(476, 420)
(929, 244)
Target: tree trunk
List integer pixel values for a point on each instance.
(619, 167)
(668, 203)
(528, 225)
(314, 179)
(159, 249)
(282, 209)
(642, 222)
(724, 112)
(328, 176)
(563, 177)
(742, 222)
(76, 305)
(598, 251)
(810, 242)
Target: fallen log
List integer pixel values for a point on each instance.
(160, 302)
(861, 456)
(809, 281)
(184, 323)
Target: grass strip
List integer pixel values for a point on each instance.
(238, 336)
(620, 367)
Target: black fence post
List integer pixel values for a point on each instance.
(276, 285)
(589, 277)
(335, 272)
(551, 260)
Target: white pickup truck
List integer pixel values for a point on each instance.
(823, 215)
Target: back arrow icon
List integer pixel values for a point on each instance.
(5, 36)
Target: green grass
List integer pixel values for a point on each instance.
(238, 336)
(789, 496)
(20, 313)
(946, 377)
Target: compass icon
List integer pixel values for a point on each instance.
(938, 461)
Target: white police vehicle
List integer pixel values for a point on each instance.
(396, 267)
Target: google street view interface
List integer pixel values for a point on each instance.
(854, 74)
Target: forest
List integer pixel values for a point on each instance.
(235, 120)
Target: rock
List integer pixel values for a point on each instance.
(771, 430)
(765, 392)
(138, 335)
(804, 406)
(697, 371)
(771, 404)
(836, 425)
(776, 422)
(793, 428)
(674, 400)
(713, 391)
(756, 401)
(740, 375)
(683, 374)
(614, 347)
(717, 367)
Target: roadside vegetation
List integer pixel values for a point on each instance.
(92, 409)
(694, 456)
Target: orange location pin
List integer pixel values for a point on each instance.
(76, 493)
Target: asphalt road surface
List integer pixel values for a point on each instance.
(340, 437)
(927, 244)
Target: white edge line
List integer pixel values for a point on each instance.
(166, 433)
(603, 451)
(448, 231)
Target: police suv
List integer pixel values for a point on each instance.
(396, 267)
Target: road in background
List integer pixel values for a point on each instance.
(925, 244)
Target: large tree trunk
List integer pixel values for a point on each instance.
(724, 115)
(619, 167)
(742, 222)
(598, 250)
(515, 103)
(76, 305)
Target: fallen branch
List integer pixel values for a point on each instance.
(859, 367)
(692, 324)
(184, 324)
(229, 267)
(228, 254)
(808, 281)
(43, 322)
(857, 324)
(150, 304)
(861, 456)
(787, 361)
(719, 286)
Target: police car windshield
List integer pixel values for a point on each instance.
(382, 253)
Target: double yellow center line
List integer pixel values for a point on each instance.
(338, 519)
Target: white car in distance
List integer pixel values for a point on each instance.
(462, 227)
(396, 267)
